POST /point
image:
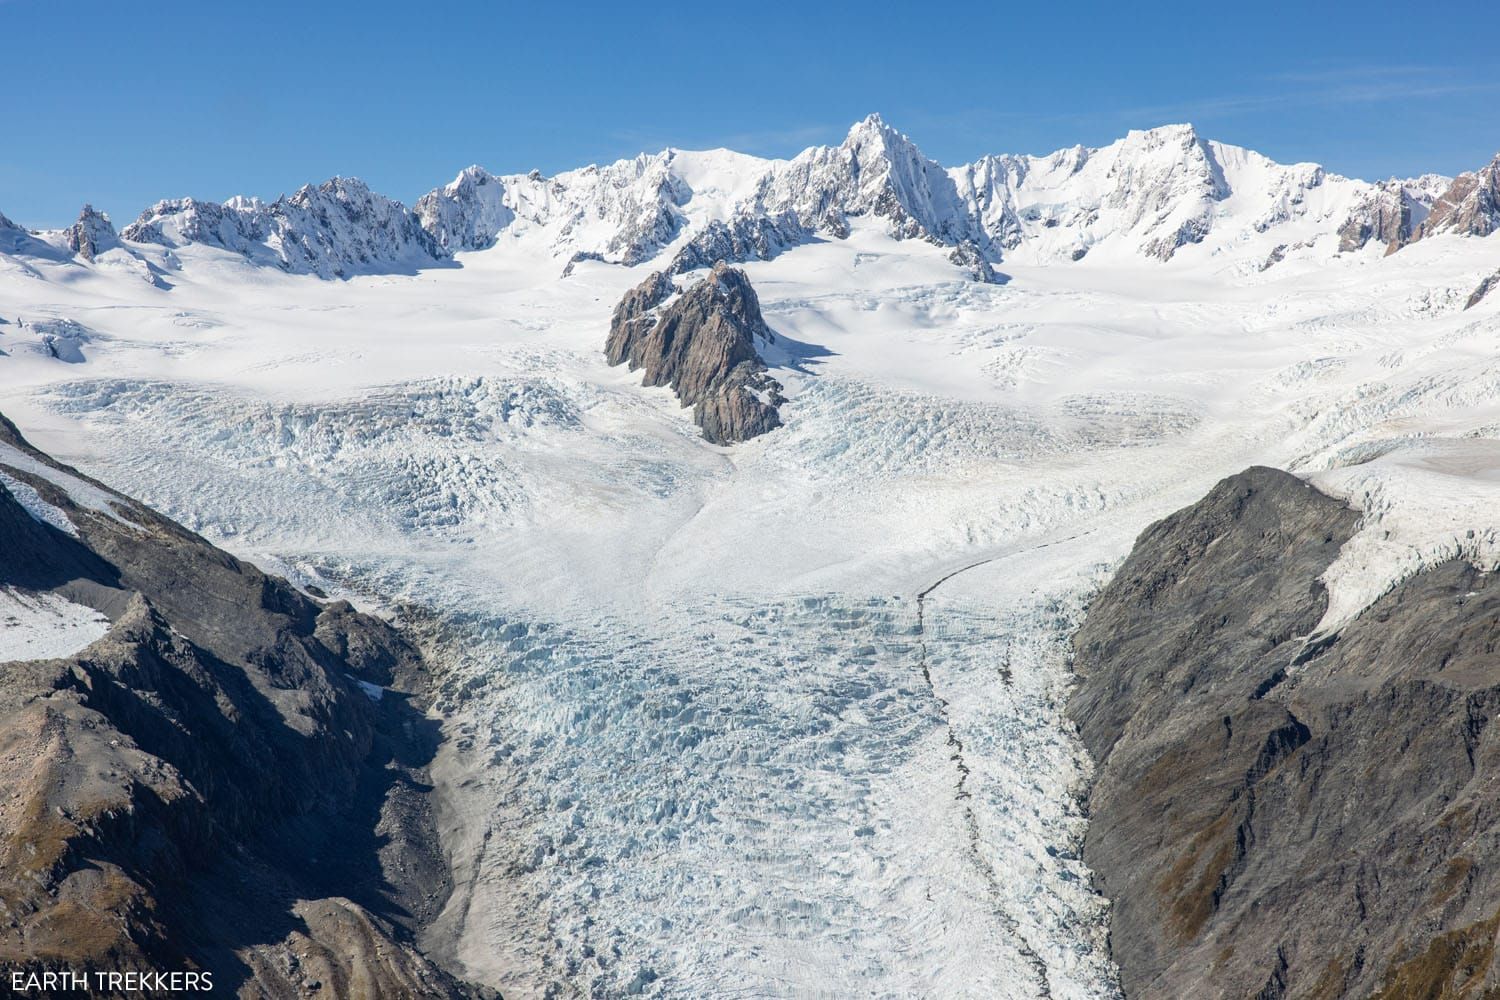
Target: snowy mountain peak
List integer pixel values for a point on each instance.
(469, 178)
(468, 212)
(624, 212)
(872, 129)
(876, 171)
(1151, 193)
(334, 230)
(1180, 134)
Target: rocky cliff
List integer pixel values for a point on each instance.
(703, 345)
(1390, 212)
(229, 780)
(1470, 206)
(1282, 814)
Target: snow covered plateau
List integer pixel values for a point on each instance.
(783, 718)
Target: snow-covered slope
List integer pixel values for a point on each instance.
(784, 717)
(1151, 194)
(625, 212)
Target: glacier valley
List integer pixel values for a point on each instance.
(783, 718)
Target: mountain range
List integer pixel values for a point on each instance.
(1149, 195)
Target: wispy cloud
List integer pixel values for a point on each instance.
(1325, 88)
(1347, 73)
(1321, 87)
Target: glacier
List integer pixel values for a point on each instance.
(784, 718)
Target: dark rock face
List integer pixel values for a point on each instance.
(703, 346)
(1386, 214)
(1278, 815)
(208, 786)
(578, 258)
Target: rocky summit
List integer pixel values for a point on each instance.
(702, 343)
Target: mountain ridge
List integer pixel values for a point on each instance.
(1147, 195)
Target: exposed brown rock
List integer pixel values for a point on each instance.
(703, 345)
(1482, 289)
(207, 787)
(1470, 206)
(1384, 214)
(1278, 815)
(634, 317)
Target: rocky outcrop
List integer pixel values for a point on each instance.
(1483, 289)
(230, 782)
(91, 235)
(743, 238)
(1389, 212)
(968, 256)
(1470, 207)
(703, 345)
(1277, 813)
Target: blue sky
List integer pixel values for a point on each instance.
(124, 103)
